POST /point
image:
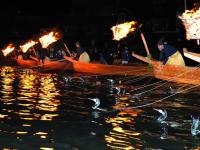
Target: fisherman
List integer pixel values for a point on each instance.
(169, 54)
(106, 55)
(81, 54)
(60, 54)
(42, 54)
(125, 54)
(93, 51)
(51, 52)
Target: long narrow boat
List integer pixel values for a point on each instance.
(94, 68)
(179, 74)
(192, 55)
(48, 66)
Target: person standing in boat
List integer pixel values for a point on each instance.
(169, 54)
(81, 54)
(42, 54)
(93, 51)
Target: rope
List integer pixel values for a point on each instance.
(170, 79)
(136, 80)
(144, 86)
(148, 104)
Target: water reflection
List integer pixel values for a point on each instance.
(38, 92)
(123, 135)
(48, 98)
(26, 97)
(7, 78)
(40, 111)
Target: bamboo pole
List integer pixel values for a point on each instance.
(145, 43)
(67, 49)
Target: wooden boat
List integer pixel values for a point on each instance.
(95, 68)
(48, 66)
(179, 74)
(191, 55)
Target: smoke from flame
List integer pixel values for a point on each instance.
(8, 49)
(120, 31)
(27, 45)
(49, 38)
(191, 21)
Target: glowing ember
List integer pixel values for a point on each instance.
(120, 31)
(27, 45)
(8, 49)
(49, 38)
(191, 21)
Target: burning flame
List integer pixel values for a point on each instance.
(49, 38)
(8, 49)
(191, 21)
(27, 45)
(120, 31)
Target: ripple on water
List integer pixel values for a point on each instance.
(42, 111)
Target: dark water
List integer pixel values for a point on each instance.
(43, 111)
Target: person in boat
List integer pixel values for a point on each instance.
(42, 55)
(18, 52)
(51, 52)
(125, 54)
(169, 54)
(60, 54)
(93, 51)
(106, 55)
(81, 54)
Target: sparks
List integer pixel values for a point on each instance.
(8, 49)
(49, 38)
(191, 21)
(27, 45)
(120, 31)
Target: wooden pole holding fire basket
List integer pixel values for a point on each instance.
(144, 41)
(66, 48)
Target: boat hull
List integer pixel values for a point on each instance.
(48, 66)
(94, 68)
(178, 74)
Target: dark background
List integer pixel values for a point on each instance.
(90, 19)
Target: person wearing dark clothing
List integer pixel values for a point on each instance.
(42, 54)
(169, 54)
(106, 55)
(126, 56)
(166, 52)
(93, 52)
(81, 54)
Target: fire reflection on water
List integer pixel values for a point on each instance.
(29, 96)
(122, 133)
(47, 98)
(38, 93)
(7, 81)
(7, 78)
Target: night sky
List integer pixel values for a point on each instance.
(20, 20)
